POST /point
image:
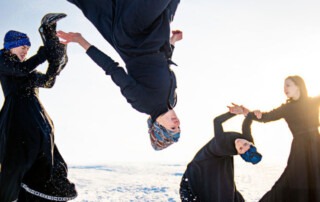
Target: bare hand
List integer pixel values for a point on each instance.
(176, 36)
(69, 37)
(73, 37)
(245, 110)
(235, 109)
(257, 113)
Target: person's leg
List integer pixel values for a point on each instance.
(100, 13)
(135, 15)
(141, 14)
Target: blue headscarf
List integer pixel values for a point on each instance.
(15, 39)
(160, 137)
(252, 155)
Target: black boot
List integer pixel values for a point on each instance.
(48, 26)
(56, 52)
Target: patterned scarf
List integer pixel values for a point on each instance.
(161, 137)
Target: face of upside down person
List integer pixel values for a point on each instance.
(170, 121)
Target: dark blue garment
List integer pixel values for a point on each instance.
(210, 175)
(140, 32)
(147, 93)
(27, 150)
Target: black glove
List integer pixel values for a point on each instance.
(55, 51)
(42, 53)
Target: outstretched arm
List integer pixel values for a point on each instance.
(57, 59)
(272, 115)
(246, 129)
(246, 124)
(233, 110)
(48, 79)
(129, 87)
(14, 68)
(218, 121)
(103, 60)
(257, 115)
(38, 79)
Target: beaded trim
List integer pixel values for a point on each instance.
(41, 195)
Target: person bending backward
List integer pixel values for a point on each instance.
(300, 180)
(209, 177)
(139, 31)
(31, 167)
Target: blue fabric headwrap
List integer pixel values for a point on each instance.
(15, 39)
(160, 137)
(252, 155)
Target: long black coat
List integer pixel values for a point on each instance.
(211, 172)
(27, 151)
(300, 181)
(139, 31)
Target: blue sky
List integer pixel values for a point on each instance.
(232, 51)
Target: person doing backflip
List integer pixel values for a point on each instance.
(140, 32)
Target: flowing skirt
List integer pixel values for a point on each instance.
(28, 154)
(300, 181)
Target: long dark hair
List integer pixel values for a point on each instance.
(298, 81)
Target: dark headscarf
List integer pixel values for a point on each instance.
(226, 146)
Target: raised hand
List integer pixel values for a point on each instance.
(235, 109)
(257, 113)
(69, 37)
(176, 36)
(73, 37)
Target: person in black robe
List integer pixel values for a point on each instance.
(139, 31)
(31, 167)
(300, 180)
(209, 177)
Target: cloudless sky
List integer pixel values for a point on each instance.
(232, 51)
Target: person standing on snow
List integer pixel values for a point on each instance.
(31, 166)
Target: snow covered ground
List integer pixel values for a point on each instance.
(158, 182)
